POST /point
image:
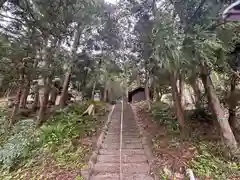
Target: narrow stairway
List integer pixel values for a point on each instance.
(133, 165)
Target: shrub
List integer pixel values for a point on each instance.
(100, 107)
(64, 126)
(67, 124)
(207, 165)
(163, 114)
(19, 144)
(3, 115)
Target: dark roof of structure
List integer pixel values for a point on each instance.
(131, 93)
(136, 90)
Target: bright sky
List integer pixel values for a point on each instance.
(112, 1)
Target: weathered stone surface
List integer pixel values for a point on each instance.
(124, 152)
(137, 177)
(108, 176)
(101, 167)
(134, 160)
(132, 168)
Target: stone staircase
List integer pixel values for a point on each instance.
(134, 161)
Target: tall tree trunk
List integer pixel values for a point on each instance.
(36, 98)
(155, 94)
(15, 107)
(147, 95)
(64, 94)
(17, 101)
(197, 92)
(48, 53)
(24, 95)
(105, 95)
(233, 121)
(7, 94)
(53, 95)
(126, 91)
(147, 92)
(177, 103)
(218, 110)
(44, 102)
(93, 90)
(138, 80)
(110, 94)
(180, 89)
(159, 95)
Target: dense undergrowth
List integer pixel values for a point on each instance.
(58, 149)
(201, 151)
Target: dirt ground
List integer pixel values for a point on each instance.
(172, 154)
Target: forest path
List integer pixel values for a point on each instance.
(122, 155)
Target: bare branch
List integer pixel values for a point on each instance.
(12, 18)
(197, 10)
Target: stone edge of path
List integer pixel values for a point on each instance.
(146, 145)
(93, 158)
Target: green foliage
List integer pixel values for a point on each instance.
(19, 145)
(67, 124)
(79, 178)
(162, 113)
(68, 155)
(3, 115)
(58, 135)
(100, 107)
(206, 164)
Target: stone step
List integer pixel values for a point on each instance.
(132, 145)
(118, 132)
(115, 120)
(113, 131)
(124, 145)
(137, 177)
(133, 131)
(109, 133)
(129, 122)
(108, 158)
(129, 168)
(108, 176)
(131, 134)
(137, 141)
(124, 152)
(132, 168)
(101, 167)
(131, 137)
(111, 146)
(129, 126)
(125, 158)
(127, 137)
(124, 137)
(125, 133)
(115, 176)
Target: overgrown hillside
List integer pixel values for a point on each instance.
(201, 150)
(58, 149)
